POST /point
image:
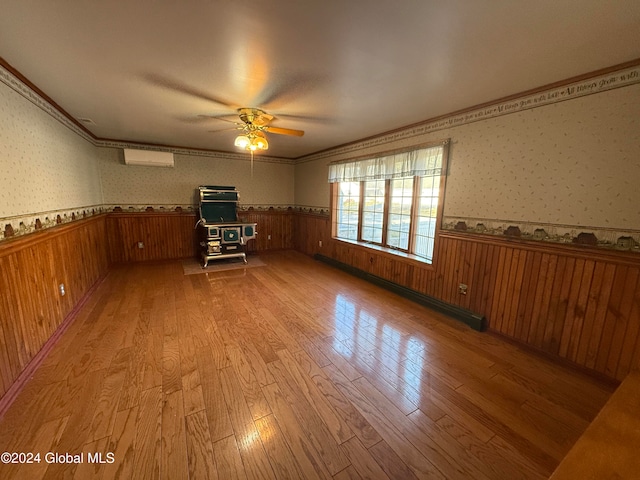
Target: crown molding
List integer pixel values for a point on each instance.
(619, 76)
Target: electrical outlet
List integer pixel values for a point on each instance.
(320, 243)
(140, 244)
(61, 288)
(268, 237)
(462, 289)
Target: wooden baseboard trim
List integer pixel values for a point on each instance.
(16, 387)
(473, 320)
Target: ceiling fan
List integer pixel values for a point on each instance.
(253, 124)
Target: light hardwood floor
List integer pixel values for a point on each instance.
(288, 371)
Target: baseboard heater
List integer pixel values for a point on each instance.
(474, 320)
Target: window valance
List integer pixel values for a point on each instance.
(425, 161)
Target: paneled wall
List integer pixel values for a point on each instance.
(31, 269)
(171, 235)
(163, 235)
(275, 229)
(312, 233)
(78, 254)
(578, 303)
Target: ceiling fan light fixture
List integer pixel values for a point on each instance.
(252, 141)
(242, 141)
(260, 141)
(254, 124)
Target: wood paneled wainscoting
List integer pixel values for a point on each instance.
(32, 309)
(77, 255)
(312, 233)
(172, 235)
(145, 236)
(580, 304)
(275, 229)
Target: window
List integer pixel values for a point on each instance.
(348, 210)
(391, 201)
(399, 223)
(373, 211)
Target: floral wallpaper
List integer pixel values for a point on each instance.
(46, 170)
(51, 172)
(572, 163)
(264, 183)
(560, 165)
(565, 162)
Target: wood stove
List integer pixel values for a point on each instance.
(221, 234)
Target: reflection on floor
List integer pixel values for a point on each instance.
(294, 370)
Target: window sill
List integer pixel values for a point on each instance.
(386, 251)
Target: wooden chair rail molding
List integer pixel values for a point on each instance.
(572, 249)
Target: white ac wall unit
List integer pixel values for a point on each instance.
(148, 158)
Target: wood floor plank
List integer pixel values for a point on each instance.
(152, 374)
(394, 467)
(254, 457)
(337, 427)
(229, 463)
(289, 397)
(200, 447)
(373, 410)
(345, 409)
(282, 459)
(297, 370)
(309, 460)
(362, 460)
(94, 459)
(215, 406)
(146, 463)
(104, 417)
(239, 413)
(171, 373)
(174, 442)
(122, 444)
(248, 382)
(75, 434)
(47, 435)
(349, 473)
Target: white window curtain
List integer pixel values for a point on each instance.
(426, 161)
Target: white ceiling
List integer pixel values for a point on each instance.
(341, 70)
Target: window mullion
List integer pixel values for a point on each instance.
(361, 211)
(414, 213)
(385, 213)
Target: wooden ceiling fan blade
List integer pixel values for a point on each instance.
(224, 130)
(177, 86)
(284, 131)
(286, 87)
(221, 117)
